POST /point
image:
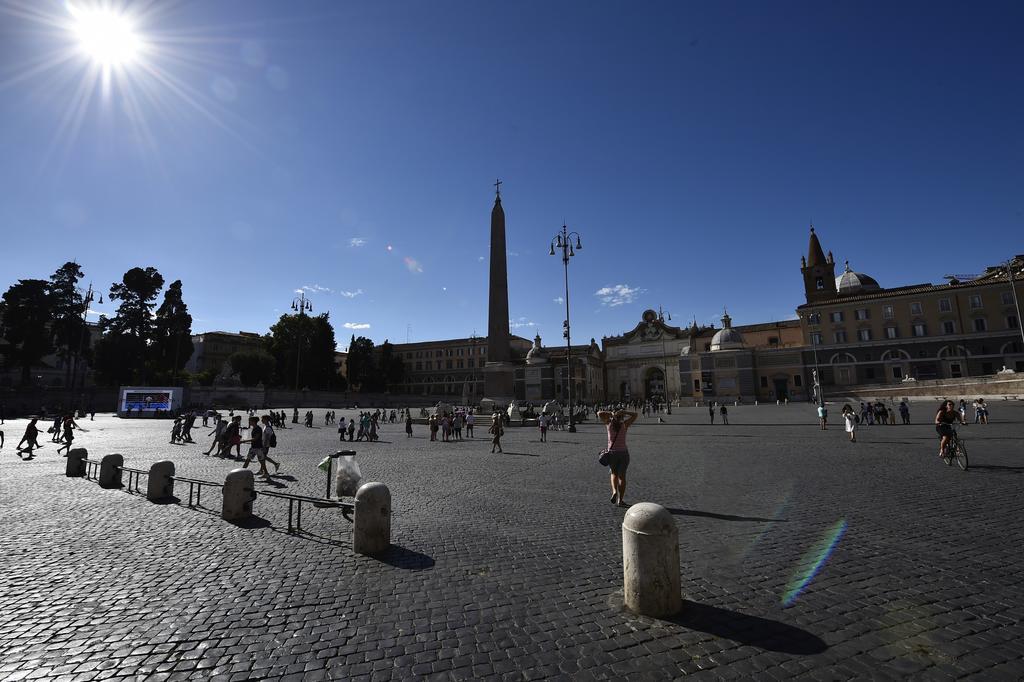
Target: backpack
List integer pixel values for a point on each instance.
(273, 439)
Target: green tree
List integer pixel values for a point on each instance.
(392, 367)
(253, 367)
(122, 352)
(362, 365)
(68, 325)
(172, 334)
(307, 343)
(26, 313)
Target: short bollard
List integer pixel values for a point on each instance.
(650, 561)
(76, 463)
(239, 492)
(161, 481)
(110, 471)
(371, 527)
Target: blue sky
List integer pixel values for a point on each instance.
(256, 148)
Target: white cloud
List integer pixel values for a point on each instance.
(351, 294)
(513, 253)
(313, 289)
(356, 242)
(618, 294)
(559, 300)
(480, 259)
(520, 323)
(356, 325)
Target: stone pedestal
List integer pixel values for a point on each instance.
(161, 483)
(650, 561)
(239, 493)
(371, 526)
(110, 471)
(76, 465)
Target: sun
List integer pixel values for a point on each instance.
(105, 36)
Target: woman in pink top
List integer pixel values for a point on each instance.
(618, 423)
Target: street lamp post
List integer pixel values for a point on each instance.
(811, 318)
(561, 241)
(664, 358)
(87, 300)
(1016, 302)
(300, 305)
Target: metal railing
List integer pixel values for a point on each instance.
(298, 500)
(92, 469)
(133, 474)
(195, 486)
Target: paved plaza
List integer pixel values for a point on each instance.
(509, 566)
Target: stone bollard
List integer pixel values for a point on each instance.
(650, 561)
(239, 493)
(371, 527)
(161, 483)
(76, 463)
(110, 471)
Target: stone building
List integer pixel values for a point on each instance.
(858, 332)
(545, 375)
(450, 367)
(210, 350)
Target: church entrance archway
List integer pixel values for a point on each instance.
(654, 385)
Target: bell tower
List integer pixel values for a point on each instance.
(819, 272)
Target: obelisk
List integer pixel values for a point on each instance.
(498, 372)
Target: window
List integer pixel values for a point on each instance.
(915, 308)
(773, 340)
(764, 382)
(815, 338)
(897, 372)
(459, 351)
(419, 365)
(864, 334)
(814, 318)
(819, 283)
(862, 314)
(949, 327)
(460, 364)
(920, 329)
(944, 306)
(471, 362)
(448, 364)
(975, 301)
(839, 336)
(891, 333)
(1006, 297)
(696, 385)
(836, 316)
(887, 312)
(1012, 322)
(980, 324)
(798, 380)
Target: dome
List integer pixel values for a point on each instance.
(536, 355)
(726, 338)
(851, 282)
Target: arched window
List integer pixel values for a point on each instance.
(953, 351)
(842, 359)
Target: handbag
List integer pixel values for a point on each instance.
(602, 458)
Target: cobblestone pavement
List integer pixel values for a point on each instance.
(509, 566)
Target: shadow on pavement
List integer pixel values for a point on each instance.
(722, 517)
(997, 467)
(518, 454)
(755, 631)
(252, 522)
(400, 557)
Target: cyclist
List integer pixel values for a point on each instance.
(944, 418)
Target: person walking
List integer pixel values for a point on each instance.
(69, 435)
(497, 430)
(711, 412)
(31, 437)
(218, 431)
(851, 419)
(904, 412)
(542, 423)
(408, 425)
(618, 424)
(470, 418)
(725, 413)
(823, 417)
(255, 441)
(269, 441)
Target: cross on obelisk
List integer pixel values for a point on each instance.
(497, 187)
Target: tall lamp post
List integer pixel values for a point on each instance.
(664, 358)
(87, 300)
(562, 241)
(300, 305)
(814, 318)
(1016, 302)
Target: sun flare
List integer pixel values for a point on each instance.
(105, 36)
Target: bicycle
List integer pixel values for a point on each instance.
(955, 449)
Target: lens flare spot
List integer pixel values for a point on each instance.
(412, 265)
(812, 562)
(389, 248)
